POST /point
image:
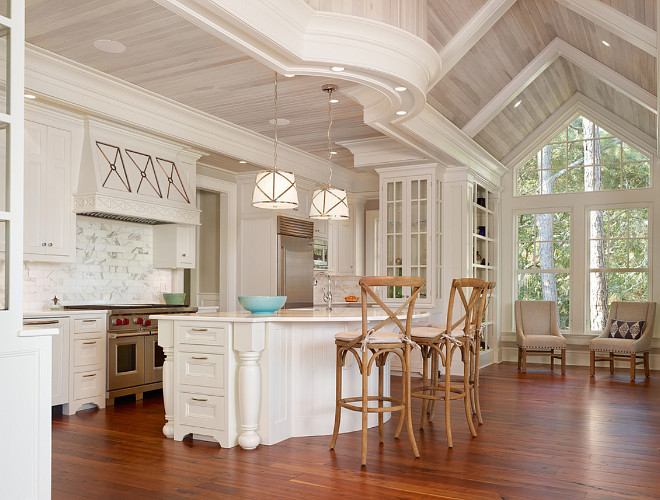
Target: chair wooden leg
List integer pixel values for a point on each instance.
(365, 405)
(633, 363)
(435, 367)
(592, 363)
(466, 387)
(552, 359)
(647, 372)
(475, 387)
(338, 382)
(524, 360)
(611, 362)
(425, 382)
(563, 361)
(381, 367)
(402, 415)
(407, 386)
(519, 358)
(448, 357)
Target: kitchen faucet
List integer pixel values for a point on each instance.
(327, 293)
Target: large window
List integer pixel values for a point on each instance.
(584, 157)
(618, 259)
(544, 259)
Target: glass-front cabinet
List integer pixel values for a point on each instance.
(410, 229)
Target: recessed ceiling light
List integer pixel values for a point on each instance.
(400, 89)
(401, 113)
(242, 161)
(606, 43)
(334, 101)
(29, 96)
(110, 46)
(333, 152)
(289, 75)
(517, 104)
(280, 121)
(337, 68)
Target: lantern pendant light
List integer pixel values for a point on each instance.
(275, 188)
(329, 202)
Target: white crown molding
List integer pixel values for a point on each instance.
(579, 104)
(616, 22)
(555, 49)
(467, 37)
(380, 151)
(65, 82)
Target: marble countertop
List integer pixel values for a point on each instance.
(311, 315)
(49, 313)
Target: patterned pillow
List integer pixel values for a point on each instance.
(626, 329)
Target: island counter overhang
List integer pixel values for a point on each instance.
(250, 379)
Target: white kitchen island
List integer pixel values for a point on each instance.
(250, 379)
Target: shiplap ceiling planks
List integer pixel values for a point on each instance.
(445, 19)
(642, 11)
(171, 57)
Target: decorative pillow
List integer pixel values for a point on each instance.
(626, 329)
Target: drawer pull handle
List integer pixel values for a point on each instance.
(199, 357)
(89, 343)
(46, 322)
(203, 400)
(89, 375)
(199, 329)
(89, 321)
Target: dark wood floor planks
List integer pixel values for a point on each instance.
(545, 436)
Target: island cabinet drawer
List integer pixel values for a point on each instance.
(88, 384)
(202, 334)
(88, 351)
(205, 370)
(85, 325)
(201, 410)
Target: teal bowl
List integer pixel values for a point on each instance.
(262, 304)
(174, 299)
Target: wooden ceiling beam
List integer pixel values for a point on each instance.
(471, 33)
(558, 48)
(616, 22)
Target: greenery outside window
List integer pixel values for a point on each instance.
(544, 260)
(584, 157)
(618, 260)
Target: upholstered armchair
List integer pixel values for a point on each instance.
(624, 337)
(537, 332)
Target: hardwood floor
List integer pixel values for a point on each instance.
(544, 436)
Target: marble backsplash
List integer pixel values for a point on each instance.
(114, 264)
(342, 286)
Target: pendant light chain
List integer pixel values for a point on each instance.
(275, 136)
(330, 135)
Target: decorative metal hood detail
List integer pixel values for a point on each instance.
(128, 175)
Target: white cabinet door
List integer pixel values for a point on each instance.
(345, 247)
(36, 145)
(186, 246)
(174, 246)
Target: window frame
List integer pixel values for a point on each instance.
(515, 254)
(587, 253)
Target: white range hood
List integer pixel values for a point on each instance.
(128, 175)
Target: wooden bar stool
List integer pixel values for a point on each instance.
(438, 344)
(371, 347)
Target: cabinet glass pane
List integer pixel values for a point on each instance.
(390, 218)
(4, 48)
(3, 169)
(414, 190)
(414, 249)
(414, 217)
(422, 190)
(398, 191)
(422, 216)
(422, 251)
(3, 264)
(390, 250)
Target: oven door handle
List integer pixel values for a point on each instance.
(132, 334)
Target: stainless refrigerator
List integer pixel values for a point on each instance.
(295, 262)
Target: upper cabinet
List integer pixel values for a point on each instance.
(174, 246)
(410, 215)
(49, 225)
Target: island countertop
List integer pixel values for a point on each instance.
(316, 314)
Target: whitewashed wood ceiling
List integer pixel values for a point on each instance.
(169, 56)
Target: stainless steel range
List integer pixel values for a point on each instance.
(135, 360)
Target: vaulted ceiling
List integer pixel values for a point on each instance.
(494, 54)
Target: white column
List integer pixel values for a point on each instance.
(249, 341)
(166, 341)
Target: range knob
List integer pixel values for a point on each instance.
(126, 321)
(147, 322)
(118, 322)
(139, 321)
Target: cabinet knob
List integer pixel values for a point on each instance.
(43, 244)
(50, 244)
(183, 255)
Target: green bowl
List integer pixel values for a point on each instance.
(174, 299)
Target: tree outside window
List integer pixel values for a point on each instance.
(618, 260)
(544, 260)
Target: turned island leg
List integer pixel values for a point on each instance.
(166, 341)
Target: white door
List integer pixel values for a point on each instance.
(25, 361)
